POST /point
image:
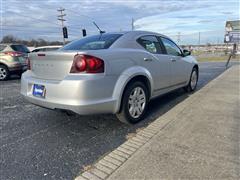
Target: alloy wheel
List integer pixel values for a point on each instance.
(193, 82)
(136, 102)
(3, 73)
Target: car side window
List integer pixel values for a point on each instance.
(171, 47)
(151, 44)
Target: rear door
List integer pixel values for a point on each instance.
(156, 62)
(178, 65)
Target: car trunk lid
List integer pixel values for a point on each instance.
(51, 65)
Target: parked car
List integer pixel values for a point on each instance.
(46, 48)
(115, 73)
(13, 59)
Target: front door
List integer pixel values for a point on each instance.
(178, 70)
(158, 63)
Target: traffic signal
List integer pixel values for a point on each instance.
(65, 33)
(84, 32)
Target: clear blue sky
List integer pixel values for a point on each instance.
(28, 19)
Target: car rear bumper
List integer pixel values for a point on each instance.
(15, 64)
(18, 69)
(82, 96)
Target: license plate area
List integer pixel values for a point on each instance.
(39, 91)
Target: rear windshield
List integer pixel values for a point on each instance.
(20, 48)
(96, 42)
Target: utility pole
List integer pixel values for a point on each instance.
(132, 24)
(179, 37)
(60, 18)
(199, 38)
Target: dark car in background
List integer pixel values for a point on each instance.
(13, 60)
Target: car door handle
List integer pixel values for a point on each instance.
(173, 60)
(147, 59)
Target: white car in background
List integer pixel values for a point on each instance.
(116, 73)
(46, 48)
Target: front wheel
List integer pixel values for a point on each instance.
(193, 81)
(134, 103)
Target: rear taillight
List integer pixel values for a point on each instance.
(87, 64)
(14, 53)
(28, 64)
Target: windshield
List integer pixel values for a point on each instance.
(96, 42)
(20, 48)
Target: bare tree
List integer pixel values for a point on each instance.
(32, 42)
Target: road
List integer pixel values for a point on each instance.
(37, 143)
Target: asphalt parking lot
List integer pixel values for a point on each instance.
(37, 143)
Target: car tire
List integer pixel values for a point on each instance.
(192, 84)
(4, 73)
(134, 103)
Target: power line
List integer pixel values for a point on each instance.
(17, 26)
(73, 28)
(29, 29)
(22, 30)
(77, 13)
(43, 20)
(33, 31)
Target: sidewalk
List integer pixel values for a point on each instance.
(199, 138)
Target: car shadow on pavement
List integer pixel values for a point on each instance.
(49, 142)
(109, 133)
(37, 143)
(14, 77)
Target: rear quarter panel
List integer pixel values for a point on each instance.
(124, 64)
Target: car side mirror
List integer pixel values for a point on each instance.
(186, 52)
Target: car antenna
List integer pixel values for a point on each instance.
(100, 31)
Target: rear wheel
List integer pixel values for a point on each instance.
(4, 73)
(134, 103)
(193, 81)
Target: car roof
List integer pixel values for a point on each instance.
(137, 33)
(40, 47)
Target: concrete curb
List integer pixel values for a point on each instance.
(112, 161)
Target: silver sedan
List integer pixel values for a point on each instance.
(115, 73)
